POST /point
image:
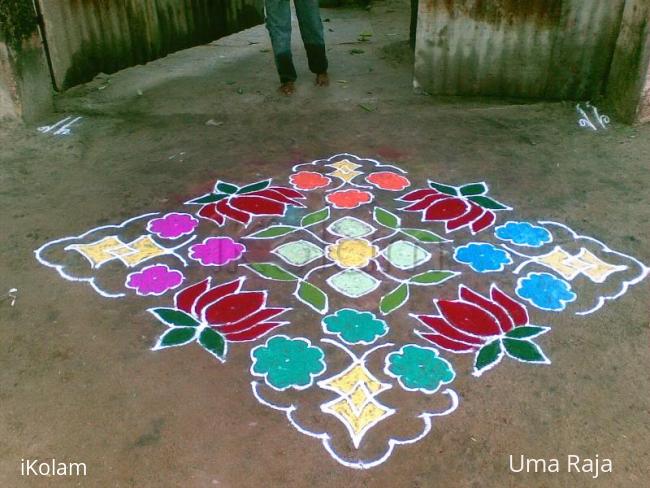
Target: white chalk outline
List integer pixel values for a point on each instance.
(91, 280)
(349, 217)
(275, 251)
(420, 262)
(347, 270)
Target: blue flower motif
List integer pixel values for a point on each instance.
(523, 234)
(545, 291)
(354, 327)
(419, 369)
(482, 258)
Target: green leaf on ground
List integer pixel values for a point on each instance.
(272, 271)
(224, 187)
(449, 190)
(473, 189)
(173, 316)
(526, 351)
(423, 235)
(394, 300)
(176, 336)
(489, 203)
(487, 356)
(260, 185)
(213, 342)
(272, 232)
(315, 217)
(432, 277)
(386, 218)
(312, 296)
(205, 199)
(527, 331)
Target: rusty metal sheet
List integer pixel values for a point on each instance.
(86, 37)
(551, 49)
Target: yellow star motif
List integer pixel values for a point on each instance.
(345, 170)
(585, 262)
(356, 406)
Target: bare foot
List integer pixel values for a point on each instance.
(287, 88)
(322, 79)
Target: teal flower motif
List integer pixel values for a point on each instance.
(354, 327)
(419, 369)
(285, 362)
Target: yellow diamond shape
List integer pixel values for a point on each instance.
(143, 248)
(595, 268)
(99, 252)
(359, 423)
(345, 165)
(562, 262)
(346, 382)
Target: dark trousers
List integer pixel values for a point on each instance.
(278, 23)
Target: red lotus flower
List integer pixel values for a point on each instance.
(215, 316)
(348, 198)
(309, 180)
(387, 180)
(457, 207)
(241, 204)
(487, 327)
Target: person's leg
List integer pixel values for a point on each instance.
(278, 23)
(311, 30)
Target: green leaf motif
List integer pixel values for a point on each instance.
(432, 277)
(224, 187)
(473, 189)
(210, 198)
(176, 336)
(527, 331)
(312, 296)
(526, 351)
(423, 235)
(272, 232)
(260, 185)
(213, 342)
(394, 300)
(272, 271)
(489, 203)
(487, 356)
(385, 218)
(449, 190)
(172, 316)
(315, 217)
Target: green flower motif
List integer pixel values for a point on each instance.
(419, 369)
(354, 327)
(285, 362)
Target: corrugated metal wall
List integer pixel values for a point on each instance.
(554, 49)
(86, 37)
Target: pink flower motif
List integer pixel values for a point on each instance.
(154, 280)
(173, 225)
(217, 251)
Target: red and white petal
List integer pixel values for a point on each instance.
(425, 202)
(505, 321)
(215, 294)
(185, 298)
(446, 209)
(472, 214)
(210, 212)
(516, 310)
(416, 195)
(447, 344)
(254, 332)
(439, 325)
(234, 307)
(469, 318)
(250, 321)
(483, 222)
(257, 205)
(232, 213)
(275, 195)
(287, 192)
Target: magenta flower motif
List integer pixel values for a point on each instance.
(173, 225)
(217, 251)
(154, 280)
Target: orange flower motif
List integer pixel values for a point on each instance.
(309, 180)
(348, 198)
(388, 181)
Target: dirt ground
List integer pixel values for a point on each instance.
(78, 380)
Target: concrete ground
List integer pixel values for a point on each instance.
(78, 381)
